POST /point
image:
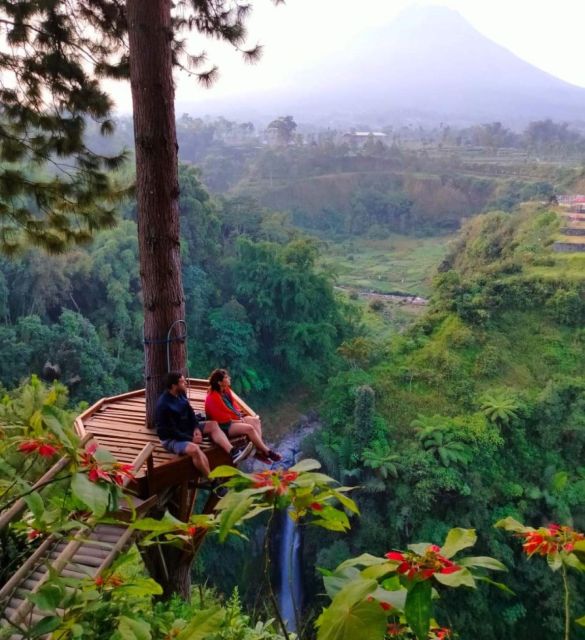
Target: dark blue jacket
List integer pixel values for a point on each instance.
(175, 418)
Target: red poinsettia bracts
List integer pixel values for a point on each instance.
(115, 472)
(279, 480)
(422, 567)
(112, 581)
(550, 540)
(395, 629)
(44, 448)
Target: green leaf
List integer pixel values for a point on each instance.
(334, 515)
(164, 525)
(365, 560)
(52, 418)
(482, 561)
(350, 615)
(133, 629)
(554, 561)
(581, 621)
(461, 578)
(203, 625)
(312, 478)
(330, 525)
(419, 547)
(458, 539)
(336, 582)
(225, 471)
(141, 587)
(35, 503)
(306, 465)
(348, 503)
(104, 457)
(498, 585)
(379, 570)
(417, 609)
(45, 626)
(509, 524)
(231, 516)
(48, 597)
(394, 597)
(90, 493)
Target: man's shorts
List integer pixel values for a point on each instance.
(175, 446)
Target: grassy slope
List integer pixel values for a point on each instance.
(444, 371)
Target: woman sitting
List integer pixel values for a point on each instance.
(221, 406)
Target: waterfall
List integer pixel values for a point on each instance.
(290, 584)
(288, 554)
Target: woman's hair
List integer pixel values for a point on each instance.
(217, 375)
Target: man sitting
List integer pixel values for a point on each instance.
(181, 432)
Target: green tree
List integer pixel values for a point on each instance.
(500, 408)
(232, 344)
(363, 416)
(282, 129)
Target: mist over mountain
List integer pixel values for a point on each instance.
(428, 65)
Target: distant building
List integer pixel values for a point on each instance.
(360, 138)
(575, 203)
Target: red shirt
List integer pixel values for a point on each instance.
(216, 408)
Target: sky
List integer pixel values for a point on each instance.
(547, 34)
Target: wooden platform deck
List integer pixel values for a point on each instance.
(118, 424)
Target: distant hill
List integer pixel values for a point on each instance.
(428, 65)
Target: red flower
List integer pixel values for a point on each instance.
(116, 473)
(386, 606)
(278, 480)
(289, 476)
(550, 540)
(395, 629)
(43, 448)
(29, 446)
(112, 581)
(33, 534)
(316, 506)
(96, 474)
(47, 450)
(115, 580)
(422, 567)
(192, 530)
(442, 634)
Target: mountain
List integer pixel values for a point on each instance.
(429, 64)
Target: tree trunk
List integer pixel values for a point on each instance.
(170, 566)
(157, 189)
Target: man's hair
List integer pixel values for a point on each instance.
(172, 378)
(217, 375)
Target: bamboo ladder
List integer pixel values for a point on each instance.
(86, 555)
